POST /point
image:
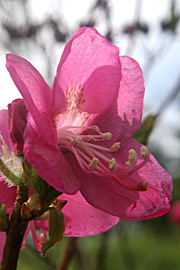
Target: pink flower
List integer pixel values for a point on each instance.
(79, 134)
(81, 219)
(174, 214)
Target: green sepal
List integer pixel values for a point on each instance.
(142, 134)
(4, 218)
(38, 184)
(56, 229)
(15, 180)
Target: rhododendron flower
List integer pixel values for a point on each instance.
(81, 219)
(79, 134)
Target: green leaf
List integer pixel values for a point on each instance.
(56, 229)
(142, 134)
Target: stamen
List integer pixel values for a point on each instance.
(132, 156)
(145, 152)
(107, 135)
(93, 164)
(112, 164)
(97, 129)
(105, 149)
(142, 186)
(88, 138)
(91, 157)
(128, 164)
(115, 147)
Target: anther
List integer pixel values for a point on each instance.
(115, 147)
(93, 164)
(112, 164)
(107, 135)
(128, 164)
(144, 185)
(97, 129)
(132, 156)
(145, 152)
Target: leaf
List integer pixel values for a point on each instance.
(56, 229)
(142, 134)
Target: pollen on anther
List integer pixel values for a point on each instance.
(112, 163)
(128, 164)
(132, 156)
(107, 135)
(115, 147)
(93, 163)
(145, 152)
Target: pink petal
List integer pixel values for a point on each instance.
(4, 129)
(123, 117)
(82, 219)
(2, 243)
(131, 95)
(7, 193)
(17, 113)
(90, 66)
(36, 93)
(107, 195)
(35, 237)
(48, 161)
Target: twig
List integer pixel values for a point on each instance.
(15, 233)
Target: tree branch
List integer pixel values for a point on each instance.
(15, 232)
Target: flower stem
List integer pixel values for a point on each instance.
(15, 232)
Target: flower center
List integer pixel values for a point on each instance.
(94, 158)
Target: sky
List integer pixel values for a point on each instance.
(159, 80)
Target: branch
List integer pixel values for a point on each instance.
(15, 233)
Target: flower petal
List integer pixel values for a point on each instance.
(123, 117)
(4, 129)
(36, 93)
(82, 219)
(7, 193)
(107, 195)
(131, 95)
(48, 160)
(89, 66)
(17, 113)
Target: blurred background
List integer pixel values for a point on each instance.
(148, 31)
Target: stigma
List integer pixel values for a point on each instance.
(87, 145)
